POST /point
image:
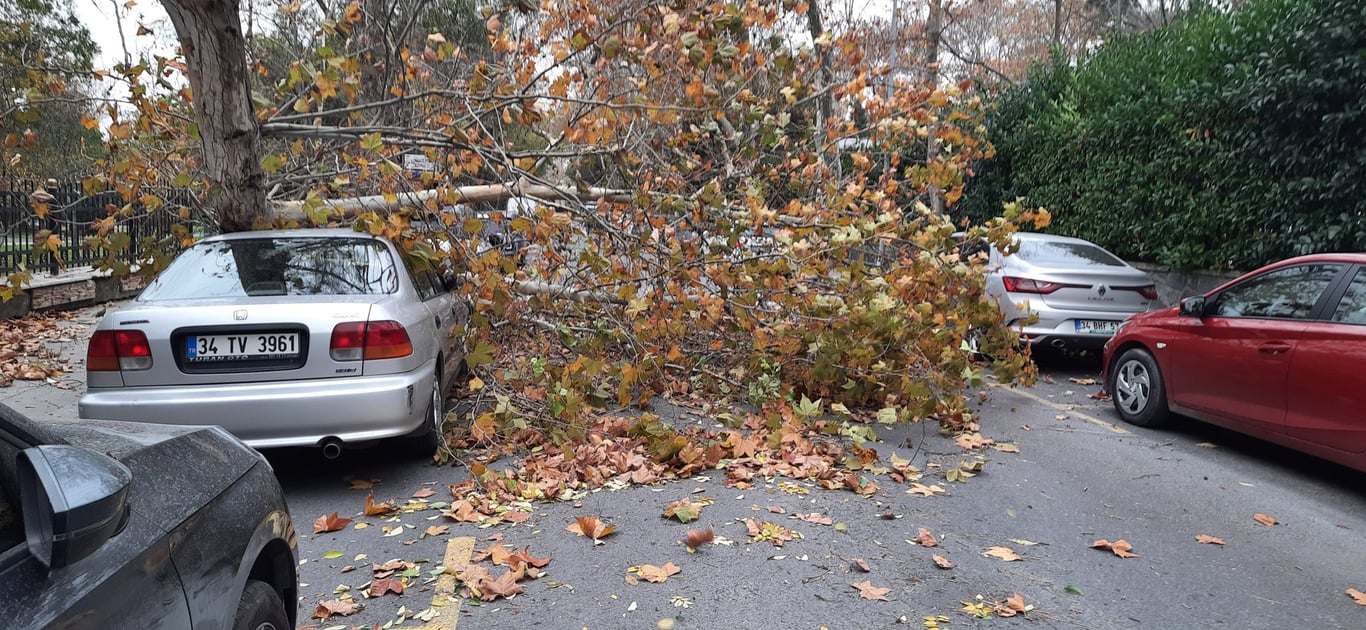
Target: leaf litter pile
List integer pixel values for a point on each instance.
(26, 348)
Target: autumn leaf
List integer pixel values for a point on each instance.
(1012, 606)
(860, 485)
(1082, 381)
(362, 484)
(925, 539)
(423, 493)
(1208, 540)
(683, 510)
(761, 531)
(942, 562)
(862, 565)
(1120, 548)
(378, 509)
(1357, 596)
(379, 588)
(698, 537)
(1264, 519)
(924, 490)
(866, 590)
(330, 523)
(591, 527)
(1007, 448)
(652, 573)
(340, 607)
(1006, 554)
(814, 518)
(777, 509)
(972, 441)
(437, 530)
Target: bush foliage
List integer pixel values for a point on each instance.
(1222, 141)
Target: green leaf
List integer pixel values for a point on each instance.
(481, 354)
(272, 163)
(372, 142)
(1072, 589)
(332, 555)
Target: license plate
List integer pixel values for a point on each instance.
(250, 346)
(1097, 326)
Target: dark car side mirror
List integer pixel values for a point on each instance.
(74, 500)
(1193, 307)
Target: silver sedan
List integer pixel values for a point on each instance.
(313, 337)
(1080, 291)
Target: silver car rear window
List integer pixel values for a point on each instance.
(277, 266)
(1060, 254)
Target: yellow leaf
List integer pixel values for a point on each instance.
(1006, 554)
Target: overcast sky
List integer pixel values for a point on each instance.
(99, 18)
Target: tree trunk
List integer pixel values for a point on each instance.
(934, 31)
(210, 34)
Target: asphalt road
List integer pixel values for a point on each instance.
(1079, 476)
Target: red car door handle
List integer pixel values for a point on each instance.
(1275, 347)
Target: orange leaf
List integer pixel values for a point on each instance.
(437, 530)
(363, 484)
(1357, 596)
(866, 590)
(1264, 519)
(331, 523)
(591, 527)
(1006, 554)
(382, 587)
(342, 607)
(652, 573)
(378, 509)
(423, 493)
(1120, 548)
(1208, 540)
(699, 537)
(922, 489)
(925, 538)
(942, 562)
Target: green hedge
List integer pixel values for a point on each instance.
(1223, 141)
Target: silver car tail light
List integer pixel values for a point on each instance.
(355, 341)
(118, 350)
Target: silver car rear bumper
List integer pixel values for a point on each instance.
(295, 413)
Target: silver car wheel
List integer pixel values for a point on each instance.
(1133, 387)
(438, 419)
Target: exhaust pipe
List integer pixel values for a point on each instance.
(332, 448)
(1058, 343)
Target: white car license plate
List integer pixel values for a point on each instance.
(1097, 326)
(245, 346)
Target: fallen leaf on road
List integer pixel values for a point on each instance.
(777, 509)
(1007, 448)
(652, 573)
(1012, 606)
(924, 490)
(942, 562)
(1357, 596)
(379, 588)
(330, 523)
(866, 590)
(362, 484)
(971, 441)
(1264, 519)
(1120, 548)
(1006, 554)
(1207, 445)
(437, 530)
(378, 509)
(340, 607)
(1208, 540)
(1021, 541)
(925, 539)
(814, 518)
(1082, 381)
(699, 537)
(684, 510)
(761, 531)
(862, 565)
(423, 493)
(590, 526)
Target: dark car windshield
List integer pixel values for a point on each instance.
(278, 266)
(1065, 254)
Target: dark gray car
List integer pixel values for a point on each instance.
(129, 525)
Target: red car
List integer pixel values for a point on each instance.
(1279, 354)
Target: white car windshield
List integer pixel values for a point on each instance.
(277, 266)
(1065, 254)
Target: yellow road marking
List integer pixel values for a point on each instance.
(445, 602)
(1061, 407)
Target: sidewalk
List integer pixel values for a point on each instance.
(55, 397)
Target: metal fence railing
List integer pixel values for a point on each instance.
(70, 215)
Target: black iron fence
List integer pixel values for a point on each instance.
(70, 216)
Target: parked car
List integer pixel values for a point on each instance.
(1080, 291)
(1279, 354)
(285, 338)
(118, 525)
